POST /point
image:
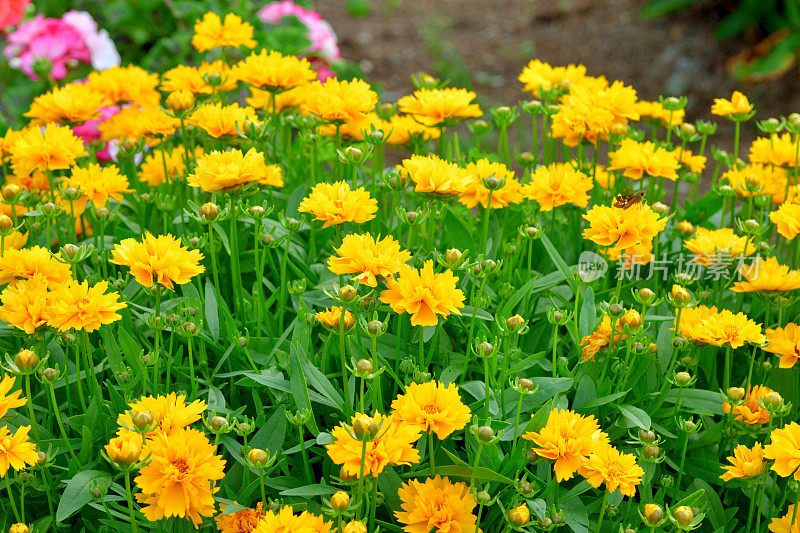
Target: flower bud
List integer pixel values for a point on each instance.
(651, 452)
(412, 216)
(484, 434)
(340, 500)
(652, 348)
(493, 183)
(355, 526)
(209, 211)
(531, 455)
(735, 394)
(10, 191)
(525, 487)
(142, 420)
(667, 481)
(258, 457)
(615, 310)
(256, 211)
(680, 295)
(364, 428)
(632, 319)
(531, 232)
(646, 295)
(348, 293)
(50, 374)
(685, 227)
(619, 130)
(653, 514)
(683, 378)
(485, 348)
(689, 425)
(180, 101)
(453, 256)
(483, 498)
(773, 400)
(647, 435)
(515, 322)
(660, 208)
(525, 383)
(124, 451)
(683, 515)
(364, 367)
(353, 153)
(688, 129)
(26, 360)
(545, 523)
(48, 208)
(218, 424)
(6, 223)
(519, 516)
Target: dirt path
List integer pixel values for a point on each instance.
(487, 42)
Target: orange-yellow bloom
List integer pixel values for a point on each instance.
(424, 294)
(432, 407)
(368, 258)
(78, 306)
(558, 184)
(623, 228)
(16, 451)
(213, 32)
(226, 171)
(26, 263)
(752, 411)
(433, 175)
(567, 438)
(787, 219)
(784, 449)
(158, 259)
(475, 192)
(746, 463)
(638, 160)
(436, 504)
(767, 275)
(617, 470)
(26, 304)
(9, 400)
(784, 342)
(736, 107)
(335, 203)
(440, 107)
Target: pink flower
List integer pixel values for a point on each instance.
(11, 12)
(63, 42)
(320, 33)
(90, 131)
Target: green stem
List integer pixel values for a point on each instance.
(343, 359)
(129, 496)
(485, 231)
(59, 423)
(304, 452)
(11, 499)
(431, 454)
(31, 414)
(602, 511)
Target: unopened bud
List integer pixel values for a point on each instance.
(209, 211)
(340, 500)
(258, 457)
(683, 515)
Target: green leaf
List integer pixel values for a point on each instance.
(635, 416)
(603, 400)
(659, 8)
(588, 317)
(389, 483)
(561, 265)
(77, 493)
(212, 311)
(465, 472)
(309, 491)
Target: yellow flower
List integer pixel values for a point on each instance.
(26, 263)
(423, 294)
(126, 85)
(767, 275)
(432, 407)
(212, 32)
(779, 150)
(601, 338)
(788, 523)
(787, 219)
(16, 450)
(694, 163)
(8, 399)
(158, 259)
(134, 123)
(124, 450)
(392, 443)
(338, 101)
(285, 521)
(656, 111)
(173, 161)
(433, 175)
(274, 71)
(475, 192)
(784, 342)
(97, 184)
(440, 108)
(617, 470)
(638, 254)
(170, 413)
(195, 79)
(331, 317)
(638, 160)
(25, 305)
(13, 241)
(225, 171)
(580, 117)
(219, 120)
(540, 75)
(273, 176)
(260, 99)
(736, 107)
(335, 203)
(784, 449)
(751, 411)
(54, 148)
(623, 228)
(746, 463)
(178, 479)
(436, 504)
(567, 438)
(757, 179)
(402, 128)
(558, 184)
(718, 328)
(368, 258)
(241, 521)
(72, 104)
(78, 306)
(709, 245)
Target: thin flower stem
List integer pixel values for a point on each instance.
(129, 496)
(283, 283)
(676, 487)
(58, 421)
(516, 424)
(343, 359)
(29, 403)
(11, 499)
(475, 464)
(486, 387)
(431, 454)
(233, 238)
(304, 453)
(602, 511)
(485, 231)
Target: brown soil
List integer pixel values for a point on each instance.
(493, 39)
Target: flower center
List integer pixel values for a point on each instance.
(431, 409)
(180, 465)
(730, 330)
